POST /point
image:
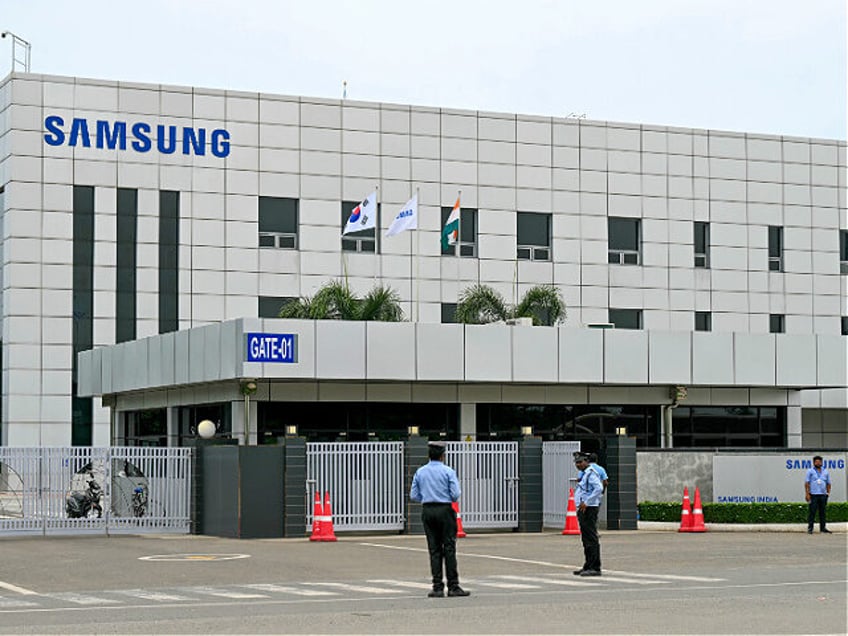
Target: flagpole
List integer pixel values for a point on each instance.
(417, 255)
(378, 269)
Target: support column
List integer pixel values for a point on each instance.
(172, 425)
(530, 506)
(621, 494)
(794, 438)
(239, 422)
(294, 487)
(468, 421)
(415, 455)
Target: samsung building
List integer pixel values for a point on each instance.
(151, 234)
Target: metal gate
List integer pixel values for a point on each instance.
(488, 476)
(558, 475)
(365, 482)
(94, 490)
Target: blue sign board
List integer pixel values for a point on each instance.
(272, 347)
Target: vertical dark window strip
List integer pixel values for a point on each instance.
(83, 307)
(169, 260)
(125, 299)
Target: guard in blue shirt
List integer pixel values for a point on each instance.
(817, 487)
(587, 498)
(435, 485)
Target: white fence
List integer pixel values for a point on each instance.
(558, 475)
(94, 490)
(365, 482)
(488, 476)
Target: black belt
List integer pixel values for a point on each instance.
(437, 503)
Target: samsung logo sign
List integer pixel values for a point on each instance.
(138, 136)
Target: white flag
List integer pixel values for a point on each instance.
(406, 219)
(363, 216)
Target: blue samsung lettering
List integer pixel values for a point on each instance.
(117, 137)
(141, 132)
(79, 128)
(55, 135)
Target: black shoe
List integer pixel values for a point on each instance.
(590, 573)
(458, 591)
(578, 572)
(826, 531)
(436, 593)
(809, 531)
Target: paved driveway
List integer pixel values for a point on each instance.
(654, 582)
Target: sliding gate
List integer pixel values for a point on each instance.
(365, 482)
(488, 477)
(94, 490)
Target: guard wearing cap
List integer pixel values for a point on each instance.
(587, 498)
(435, 485)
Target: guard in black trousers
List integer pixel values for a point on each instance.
(435, 485)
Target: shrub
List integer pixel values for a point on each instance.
(742, 513)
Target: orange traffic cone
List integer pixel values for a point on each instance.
(460, 533)
(327, 533)
(685, 513)
(698, 514)
(571, 525)
(317, 515)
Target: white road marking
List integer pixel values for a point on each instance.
(495, 557)
(671, 577)
(213, 591)
(499, 585)
(82, 599)
(14, 602)
(153, 596)
(285, 589)
(624, 579)
(538, 579)
(359, 588)
(18, 590)
(412, 584)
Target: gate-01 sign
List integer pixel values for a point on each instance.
(272, 347)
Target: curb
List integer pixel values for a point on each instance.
(668, 526)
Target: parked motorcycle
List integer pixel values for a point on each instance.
(80, 505)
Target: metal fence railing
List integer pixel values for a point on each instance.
(558, 475)
(488, 477)
(93, 490)
(365, 482)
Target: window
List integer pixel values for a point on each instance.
(624, 241)
(278, 222)
(467, 243)
(269, 306)
(125, 260)
(845, 325)
(703, 321)
(534, 236)
(448, 313)
(362, 241)
(169, 260)
(843, 251)
(777, 323)
(711, 426)
(626, 318)
(83, 307)
(775, 248)
(702, 245)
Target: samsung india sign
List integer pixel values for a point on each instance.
(135, 136)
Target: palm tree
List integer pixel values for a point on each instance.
(335, 301)
(480, 304)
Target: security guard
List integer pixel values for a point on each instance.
(587, 498)
(436, 486)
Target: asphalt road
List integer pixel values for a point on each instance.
(653, 583)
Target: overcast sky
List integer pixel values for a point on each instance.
(773, 66)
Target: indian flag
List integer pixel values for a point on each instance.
(450, 233)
